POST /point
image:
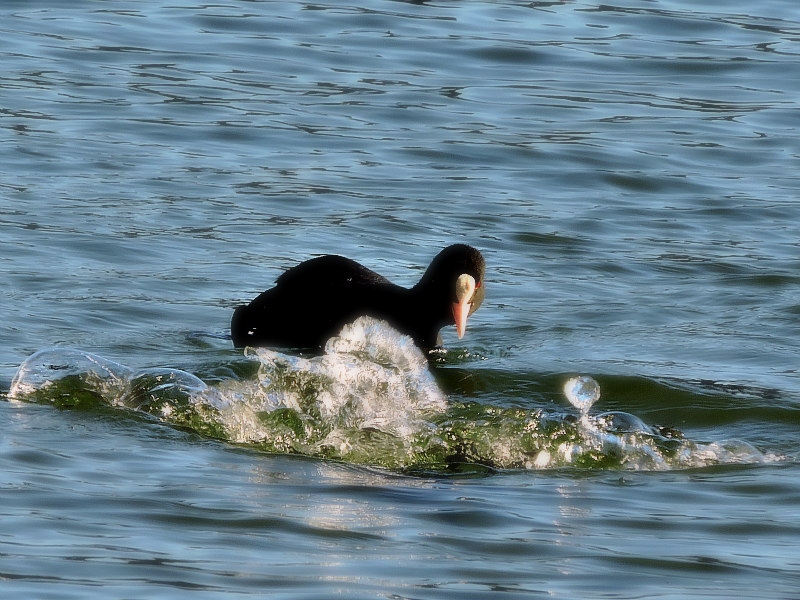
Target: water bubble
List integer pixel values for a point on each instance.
(582, 392)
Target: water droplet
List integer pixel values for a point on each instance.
(582, 392)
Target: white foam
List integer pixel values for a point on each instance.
(370, 377)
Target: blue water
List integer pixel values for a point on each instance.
(630, 173)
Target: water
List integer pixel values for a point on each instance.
(629, 172)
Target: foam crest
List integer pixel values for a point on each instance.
(371, 399)
(372, 382)
(42, 370)
(71, 378)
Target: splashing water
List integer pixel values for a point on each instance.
(372, 387)
(369, 399)
(582, 392)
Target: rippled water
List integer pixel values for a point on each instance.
(630, 172)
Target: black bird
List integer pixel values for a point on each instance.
(311, 302)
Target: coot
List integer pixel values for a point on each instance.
(311, 302)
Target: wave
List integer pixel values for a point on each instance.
(371, 398)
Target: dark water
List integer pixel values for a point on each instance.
(630, 172)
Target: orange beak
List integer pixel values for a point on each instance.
(465, 288)
(460, 314)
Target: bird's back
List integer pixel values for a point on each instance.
(329, 271)
(311, 302)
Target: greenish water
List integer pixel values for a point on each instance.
(629, 172)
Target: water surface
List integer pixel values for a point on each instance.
(629, 171)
